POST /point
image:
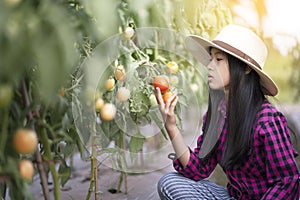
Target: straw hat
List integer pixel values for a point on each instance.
(239, 42)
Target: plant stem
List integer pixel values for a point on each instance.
(38, 157)
(88, 196)
(126, 183)
(43, 176)
(47, 149)
(94, 163)
(96, 178)
(120, 182)
(4, 130)
(94, 169)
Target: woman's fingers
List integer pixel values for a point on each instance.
(168, 106)
(158, 96)
(173, 103)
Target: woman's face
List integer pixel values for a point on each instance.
(218, 70)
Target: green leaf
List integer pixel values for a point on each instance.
(136, 143)
(64, 173)
(107, 151)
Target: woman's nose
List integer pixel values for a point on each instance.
(210, 65)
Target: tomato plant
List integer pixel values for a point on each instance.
(46, 40)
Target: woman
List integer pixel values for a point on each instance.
(242, 131)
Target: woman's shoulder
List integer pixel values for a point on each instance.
(268, 112)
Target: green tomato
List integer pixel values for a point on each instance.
(6, 94)
(153, 101)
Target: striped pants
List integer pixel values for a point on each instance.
(174, 186)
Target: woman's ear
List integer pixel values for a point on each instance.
(247, 70)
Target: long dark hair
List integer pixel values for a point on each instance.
(244, 101)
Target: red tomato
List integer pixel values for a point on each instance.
(161, 82)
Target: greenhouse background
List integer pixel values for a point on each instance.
(63, 61)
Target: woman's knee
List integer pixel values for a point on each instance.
(164, 183)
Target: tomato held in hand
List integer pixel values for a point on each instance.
(167, 95)
(162, 83)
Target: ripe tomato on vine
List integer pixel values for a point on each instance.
(123, 94)
(110, 84)
(108, 111)
(26, 169)
(25, 141)
(172, 67)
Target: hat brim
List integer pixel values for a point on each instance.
(200, 47)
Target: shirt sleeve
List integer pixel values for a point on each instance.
(197, 169)
(281, 170)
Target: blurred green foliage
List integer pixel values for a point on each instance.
(294, 78)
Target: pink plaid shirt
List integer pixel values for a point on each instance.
(270, 171)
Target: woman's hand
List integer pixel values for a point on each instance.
(167, 109)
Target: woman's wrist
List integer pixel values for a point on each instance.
(172, 130)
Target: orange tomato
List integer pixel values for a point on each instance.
(120, 73)
(62, 92)
(26, 169)
(110, 84)
(167, 95)
(99, 103)
(25, 141)
(108, 111)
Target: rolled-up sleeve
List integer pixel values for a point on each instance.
(196, 169)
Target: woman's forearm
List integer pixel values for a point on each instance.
(178, 143)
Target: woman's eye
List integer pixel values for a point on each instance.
(219, 59)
